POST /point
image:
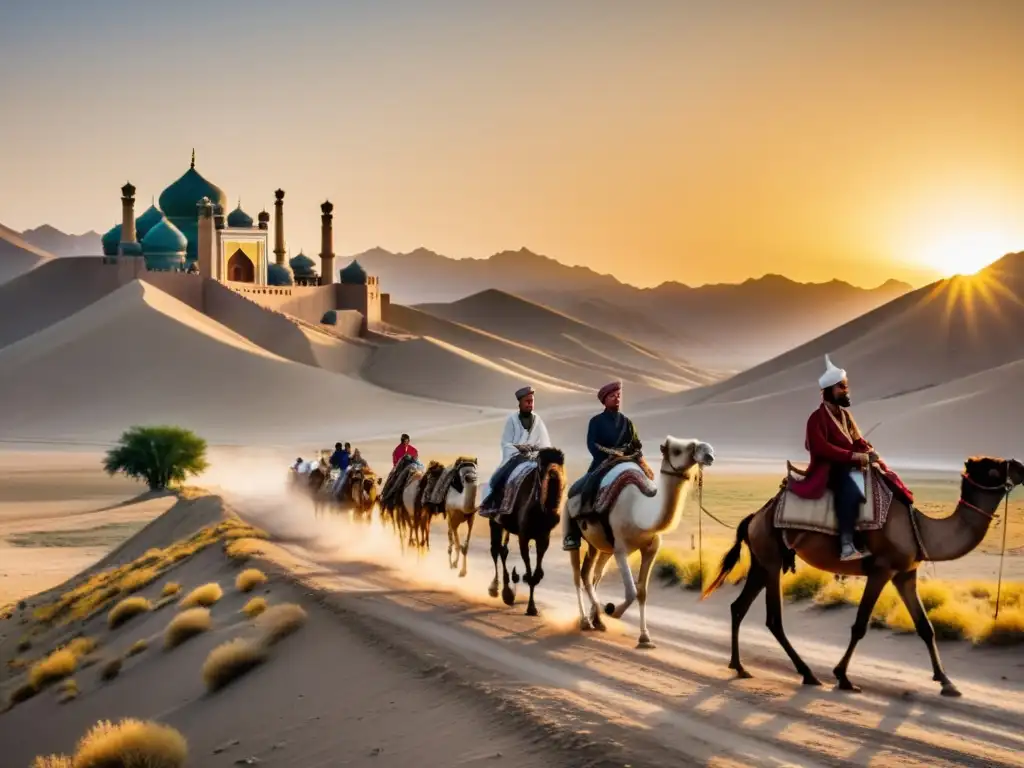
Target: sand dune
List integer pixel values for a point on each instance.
(139, 356)
(18, 256)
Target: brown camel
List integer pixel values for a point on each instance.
(907, 539)
(534, 514)
(363, 482)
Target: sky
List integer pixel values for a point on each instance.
(656, 140)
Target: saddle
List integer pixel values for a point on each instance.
(628, 470)
(396, 481)
(505, 484)
(451, 478)
(426, 484)
(819, 515)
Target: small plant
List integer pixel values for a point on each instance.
(254, 607)
(206, 595)
(52, 761)
(68, 691)
(137, 647)
(127, 609)
(954, 621)
(131, 742)
(230, 661)
(1008, 629)
(111, 669)
(185, 625)
(279, 621)
(160, 456)
(170, 588)
(805, 583)
(56, 666)
(249, 579)
(82, 646)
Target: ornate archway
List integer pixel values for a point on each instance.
(240, 268)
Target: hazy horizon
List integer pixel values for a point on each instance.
(667, 141)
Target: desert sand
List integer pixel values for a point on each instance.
(18, 256)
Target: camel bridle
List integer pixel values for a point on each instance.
(676, 471)
(1005, 488)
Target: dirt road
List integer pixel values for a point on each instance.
(678, 702)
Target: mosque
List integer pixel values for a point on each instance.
(189, 234)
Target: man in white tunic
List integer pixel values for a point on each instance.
(524, 427)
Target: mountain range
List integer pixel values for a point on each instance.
(58, 243)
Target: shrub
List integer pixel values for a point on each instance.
(279, 621)
(249, 579)
(54, 667)
(1008, 629)
(185, 625)
(127, 609)
(111, 669)
(837, 594)
(170, 588)
(81, 646)
(886, 603)
(206, 595)
(933, 594)
(160, 456)
(136, 580)
(805, 583)
(255, 607)
(230, 661)
(68, 691)
(137, 647)
(131, 743)
(52, 761)
(23, 692)
(955, 621)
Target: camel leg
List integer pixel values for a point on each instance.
(524, 552)
(876, 583)
(577, 580)
(773, 599)
(906, 585)
(452, 538)
(465, 547)
(650, 554)
(622, 560)
(756, 580)
(495, 551)
(600, 561)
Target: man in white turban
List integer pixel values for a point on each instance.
(523, 427)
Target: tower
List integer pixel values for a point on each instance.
(206, 251)
(128, 246)
(326, 243)
(279, 253)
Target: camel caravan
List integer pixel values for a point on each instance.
(846, 512)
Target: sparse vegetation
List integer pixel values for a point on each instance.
(279, 621)
(170, 589)
(137, 647)
(56, 666)
(159, 456)
(675, 569)
(111, 669)
(249, 579)
(52, 761)
(185, 625)
(82, 646)
(1008, 629)
(206, 595)
(68, 691)
(127, 609)
(254, 607)
(24, 644)
(805, 583)
(130, 743)
(230, 661)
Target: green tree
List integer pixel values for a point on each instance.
(158, 455)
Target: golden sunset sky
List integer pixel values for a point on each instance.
(691, 141)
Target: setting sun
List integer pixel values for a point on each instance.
(966, 253)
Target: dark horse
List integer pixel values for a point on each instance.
(534, 513)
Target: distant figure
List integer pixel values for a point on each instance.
(839, 455)
(404, 448)
(523, 428)
(341, 458)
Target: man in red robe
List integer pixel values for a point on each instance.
(838, 450)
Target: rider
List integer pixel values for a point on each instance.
(297, 465)
(404, 448)
(341, 460)
(609, 430)
(838, 450)
(523, 427)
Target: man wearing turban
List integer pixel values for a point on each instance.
(839, 454)
(609, 433)
(523, 427)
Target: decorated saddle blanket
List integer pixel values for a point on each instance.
(793, 512)
(446, 480)
(397, 480)
(427, 482)
(506, 503)
(622, 475)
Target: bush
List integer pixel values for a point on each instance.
(1008, 629)
(206, 595)
(137, 647)
(255, 607)
(131, 743)
(933, 594)
(185, 625)
(279, 621)
(56, 666)
(127, 609)
(955, 621)
(805, 583)
(160, 456)
(230, 661)
(111, 669)
(68, 691)
(837, 594)
(170, 588)
(52, 761)
(249, 579)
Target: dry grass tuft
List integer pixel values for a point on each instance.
(956, 621)
(206, 595)
(837, 594)
(279, 621)
(52, 761)
(82, 646)
(933, 594)
(805, 583)
(68, 691)
(23, 692)
(254, 607)
(137, 647)
(170, 588)
(56, 666)
(230, 661)
(249, 579)
(131, 743)
(243, 548)
(187, 624)
(127, 609)
(24, 644)
(136, 580)
(111, 669)
(1008, 629)
(885, 605)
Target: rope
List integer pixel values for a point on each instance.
(1002, 554)
(700, 531)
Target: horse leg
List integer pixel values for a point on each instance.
(906, 585)
(465, 547)
(577, 580)
(622, 561)
(600, 561)
(649, 555)
(538, 572)
(756, 579)
(496, 532)
(524, 552)
(773, 599)
(508, 594)
(876, 583)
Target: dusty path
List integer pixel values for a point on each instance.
(678, 702)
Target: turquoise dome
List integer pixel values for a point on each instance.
(111, 240)
(353, 274)
(302, 265)
(164, 247)
(133, 249)
(145, 222)
(239, 218)
(330, 318)
(178, 202)
(278, 274)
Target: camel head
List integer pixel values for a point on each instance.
(369, 488)
(465, 474)
(680, 455)
(994, 473)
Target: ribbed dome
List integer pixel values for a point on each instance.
(353, 274)
(302, 265)
(147, 220)
(239, 218)
(278, 274)
(179, 200)
(111, 240)
(164, 246)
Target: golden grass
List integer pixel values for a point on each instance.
(52, 761)
(82, 646)
(957, 621)
(111, 669)
(205, 596)
(254, 607)
(249, 579)
(1008, 629)
(68, 691)
(675, 568)
(137, 647)
(805, 583)
(136, 580)
(837, 594)
(127, 609)
(56, 666)
(279, 621)
(170, 588)
(131, 743)
(230, 661)
(185, 625)
(933, 593)
(243, 548)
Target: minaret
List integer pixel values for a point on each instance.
(279, 226)
(206, 248)
(129, 246)
(326, 243)
(264, 220)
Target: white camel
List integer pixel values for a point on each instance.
(636, 522)
(459, 506)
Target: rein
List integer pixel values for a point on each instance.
(1006, 488)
